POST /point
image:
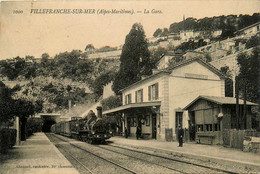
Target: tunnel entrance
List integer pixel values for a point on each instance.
(46, 127)
(48, 120)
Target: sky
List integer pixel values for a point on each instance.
(24, 33)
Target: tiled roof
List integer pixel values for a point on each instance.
(220, 100)
(226, 100)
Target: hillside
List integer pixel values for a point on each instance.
(56, 80)
(228, 24)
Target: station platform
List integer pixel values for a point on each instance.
(38, 155)
(35, 155)
(209, 152)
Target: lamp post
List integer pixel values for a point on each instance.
(68, 88)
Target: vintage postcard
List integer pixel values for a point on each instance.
(129, 86)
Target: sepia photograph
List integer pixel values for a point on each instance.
(118, 87)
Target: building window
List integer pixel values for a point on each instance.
(208, 127)
(199, 127)
(216, 127)
(139, 96)
(128, 99)
(147, 120)
(153, 92)
(133, 122)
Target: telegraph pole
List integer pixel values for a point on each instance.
(237, 102)
(245, 108)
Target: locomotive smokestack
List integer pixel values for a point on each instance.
(99, 112)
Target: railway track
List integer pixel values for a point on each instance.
(79, 162)
(132, 151)
(82, 161)
(172, 164)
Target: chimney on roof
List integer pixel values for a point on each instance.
(99, 112)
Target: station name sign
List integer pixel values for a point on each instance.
(196, 76)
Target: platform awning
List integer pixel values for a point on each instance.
(133, 105)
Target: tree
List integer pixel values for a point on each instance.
(71, 65)
(12, 68)
(89, 47)
(135, 59)
(158, 32)
(249, 71)
(102, 80)
(111, 102)
(23, 109)
(30, 71)
(6, 103)
(9, 108)
(45, 57)
(253, 41)
(228, 81)
(165, 32)
(249, 80)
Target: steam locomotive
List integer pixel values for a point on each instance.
(89, 129)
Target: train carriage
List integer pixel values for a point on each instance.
(67, 128)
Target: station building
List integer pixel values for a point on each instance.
(156, 102)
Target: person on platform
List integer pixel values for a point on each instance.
(138, 132)
(126, 133)
(180, 136)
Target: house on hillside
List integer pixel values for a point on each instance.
(219, 49)
(216, 33)
(191, 54)
(155, 103)
(173, 36)
(250, 30)
(201, 34)
(188, 34)
(164, 61)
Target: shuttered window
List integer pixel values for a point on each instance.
(153, 92)
(139, 96)
(206, 119)
(149, 92)
(128, 99)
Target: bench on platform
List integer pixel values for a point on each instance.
(205, 139)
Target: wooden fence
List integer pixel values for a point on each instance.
(234, 138)
(252, 133)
